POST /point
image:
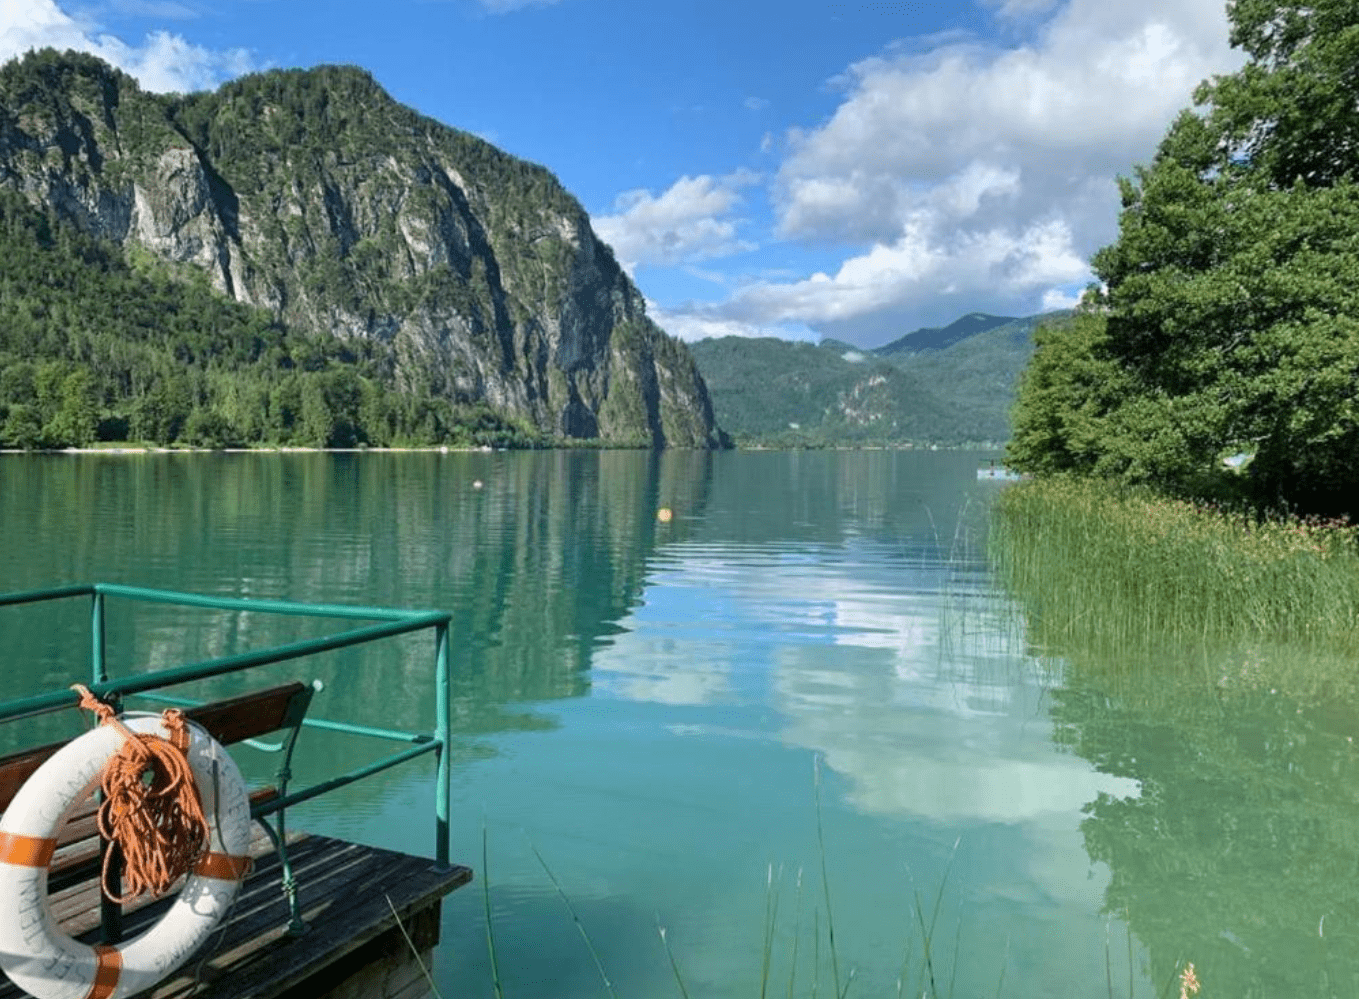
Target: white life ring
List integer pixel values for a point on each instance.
(46, 962)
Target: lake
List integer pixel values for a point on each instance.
(648, 710)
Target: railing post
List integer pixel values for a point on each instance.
(443, 725)
(110, 912)
(97, 666)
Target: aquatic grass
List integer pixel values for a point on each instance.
(771, 918)
(925, 977)
(486, 902)
(825, 878)
(1099, 567)
(925, 988)
(797, 934)
(434, 988)
(927, 931)
(674, 965)
(584, 935)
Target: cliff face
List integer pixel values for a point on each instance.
(315, 195)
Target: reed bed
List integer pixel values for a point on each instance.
(1099, 567)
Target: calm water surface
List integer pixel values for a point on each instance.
(646, 705)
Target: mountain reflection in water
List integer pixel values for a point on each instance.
(642, 702)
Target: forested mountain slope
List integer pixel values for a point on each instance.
(950, 386)
(442, 267)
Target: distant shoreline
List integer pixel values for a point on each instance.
(481, 449)
(154, 449)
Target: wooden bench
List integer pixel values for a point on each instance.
(372, 915)
(79, 853)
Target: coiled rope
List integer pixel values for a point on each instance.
(151, 807)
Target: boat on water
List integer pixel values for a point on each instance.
(993, 471)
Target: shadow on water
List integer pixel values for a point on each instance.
(1241, 851)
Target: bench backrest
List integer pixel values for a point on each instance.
(228, 721)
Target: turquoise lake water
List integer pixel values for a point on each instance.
(647, 705)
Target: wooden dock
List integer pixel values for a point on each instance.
(353, 948)
(359, 904)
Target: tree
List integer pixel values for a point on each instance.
(77, 415)
(160, 413)
(1228, 320)
(22, 428)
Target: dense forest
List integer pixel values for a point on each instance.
(951, 386)
(96, 346)
(775, 393)
(1219, 356)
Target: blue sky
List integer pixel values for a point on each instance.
(798, 169)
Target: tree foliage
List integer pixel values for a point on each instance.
(94, 347)
(1228, 319)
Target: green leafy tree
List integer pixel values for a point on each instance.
(78, 415)
(23, 428)
(209, 428)
(1228, 320)
(161, 412)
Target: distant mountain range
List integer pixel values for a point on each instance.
(951, 385)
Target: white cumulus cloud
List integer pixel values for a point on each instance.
(699, 322)
(689, 221)
(974, 173)
(921, 262)
(164, 62)
(1060, 298)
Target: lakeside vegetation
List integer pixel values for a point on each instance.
(1226, 320)
(1106, 569)
(1192, 429)
(99, 346)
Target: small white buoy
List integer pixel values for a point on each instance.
(664, 515)
(476, 483)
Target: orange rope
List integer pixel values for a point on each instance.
(151, 807)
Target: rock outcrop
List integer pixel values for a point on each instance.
(316, 196)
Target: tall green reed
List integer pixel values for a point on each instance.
(918, 977)
(1099, 567)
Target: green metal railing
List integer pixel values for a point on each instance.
(390, 624)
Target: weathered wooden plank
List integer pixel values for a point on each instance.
(364, 915)
(343, 890)
(76, 904)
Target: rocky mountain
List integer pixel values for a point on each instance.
(469, 274)
(953, 385)
(937, 338)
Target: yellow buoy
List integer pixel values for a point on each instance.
(664, 515)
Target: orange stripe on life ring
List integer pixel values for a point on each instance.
(26, 851)
(223, 866)
(106, 972)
